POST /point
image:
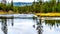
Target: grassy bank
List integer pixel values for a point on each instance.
(4, 12)
(40, 14)
(48, 14)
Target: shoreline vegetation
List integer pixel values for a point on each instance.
(51, 8)
(48, 14)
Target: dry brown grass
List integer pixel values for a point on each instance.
(4, 12)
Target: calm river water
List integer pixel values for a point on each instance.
(29, 26)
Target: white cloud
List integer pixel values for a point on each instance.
(21, 0)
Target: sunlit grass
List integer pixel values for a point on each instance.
(48, 14)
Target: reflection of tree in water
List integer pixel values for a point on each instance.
(52, 23)
(39, 26)
(4, 26)
(12, 23)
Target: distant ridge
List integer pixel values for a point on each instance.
(22, 3)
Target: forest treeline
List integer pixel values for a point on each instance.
(36, 7)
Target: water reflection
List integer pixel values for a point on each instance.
(53, 22)
(24, 26)
(4, 26)
(12, 22)
(39, 26)
(48, 23)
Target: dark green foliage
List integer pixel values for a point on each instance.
(36, 7)
(50, 22)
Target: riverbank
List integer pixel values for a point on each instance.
(40, 14)
(48, 14)
(4, 12)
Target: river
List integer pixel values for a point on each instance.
(29, 26)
